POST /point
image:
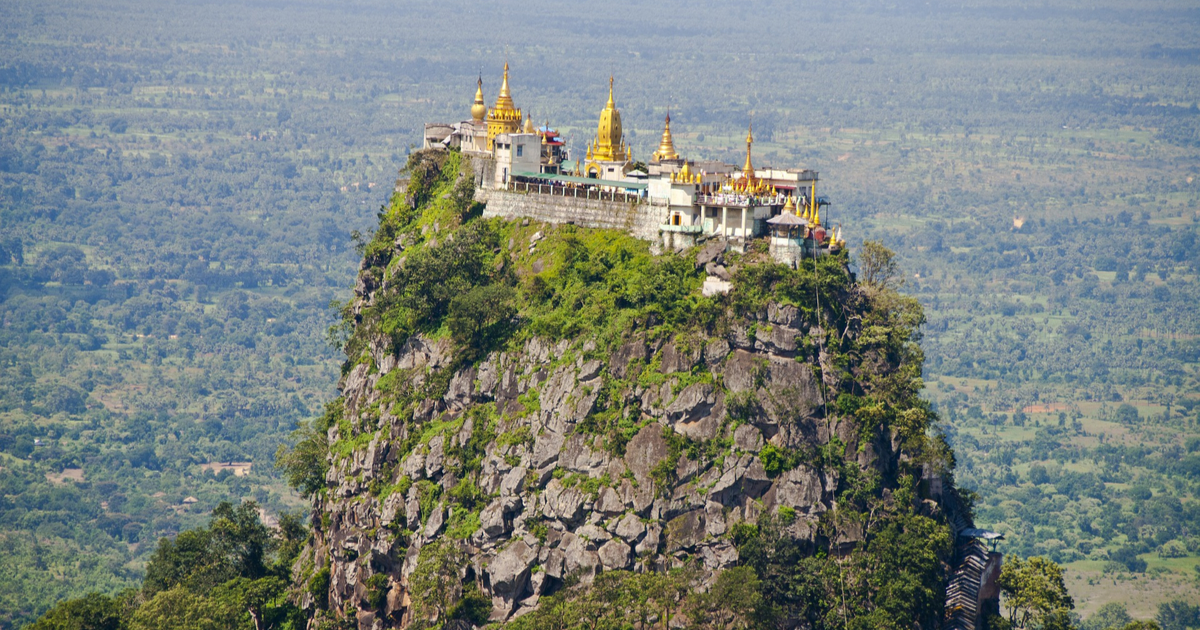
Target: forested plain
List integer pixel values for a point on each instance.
(182, 186)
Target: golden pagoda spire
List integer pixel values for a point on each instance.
(528, 124)
(666, 147)
(748, 168)
(504, 100)
(478, 109)
(609, 145)
(789, 207)
(504, 117)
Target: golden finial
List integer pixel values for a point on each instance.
(478, 109)
(789, 207)
(611, 103)
(528, 124)
(748, 168)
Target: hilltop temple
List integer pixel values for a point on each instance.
(523, 170)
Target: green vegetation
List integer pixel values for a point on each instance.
(880, 561)
(618, 599)
(176, 189)
(232, 574)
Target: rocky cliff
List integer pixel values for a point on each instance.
(545, 403)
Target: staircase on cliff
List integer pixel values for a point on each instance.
(967, 582)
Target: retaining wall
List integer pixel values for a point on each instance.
(638, 219)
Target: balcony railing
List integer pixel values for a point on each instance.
(743, 201)
(682, 229)
(574, 192)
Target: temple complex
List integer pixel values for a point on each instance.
(526, 170)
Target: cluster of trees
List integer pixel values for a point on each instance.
(231, 574)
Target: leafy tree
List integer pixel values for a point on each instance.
(179, 608)
(474, 607)
(305, 464)
(878, 267)
(1110, 616)
(176, 560)
(1127, 414)
(1140, 625)
(436, 583)
(93, 611)
(1035, 593)
(241, 539)
(480, 318)
(733, 602)
(235, 544)
(1178, 615)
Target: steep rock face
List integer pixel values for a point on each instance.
(517, 466)
(648, 506)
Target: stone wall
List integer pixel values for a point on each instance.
(640, 220)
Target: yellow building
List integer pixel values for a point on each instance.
(607, 155)
(503, 117)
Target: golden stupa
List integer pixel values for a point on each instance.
(503, 117)
(478, 109)
(609, 145)
(666, 146)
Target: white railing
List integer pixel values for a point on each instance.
(574, 192)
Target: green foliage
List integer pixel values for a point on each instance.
(620, 599)
(235, 544)
(776, 460)
(377, 590)
(878, 268)
(400, 487)
(318, 587)
(1034, 593)
(93, 611)
(428, 494)
(462, 523)
(1178, 615)
(1127, 414)
(891, 580)
(480, 319)
(473, 606)
(520, 435)
(432, 277)
(825, 280)
(260, 195)
(306, 463)
(213, 578)
(436, 582)
(597, 281)
(1111, 616)
(734, 601)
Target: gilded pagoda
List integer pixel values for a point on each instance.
(687, 200)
